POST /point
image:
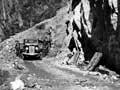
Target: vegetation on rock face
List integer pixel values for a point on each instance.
(18, 15)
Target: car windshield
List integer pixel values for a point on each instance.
(31, 41)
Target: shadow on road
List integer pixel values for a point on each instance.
(39, 72)
(32, 58)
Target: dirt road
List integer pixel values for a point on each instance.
(53, 77)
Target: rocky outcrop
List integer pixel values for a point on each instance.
(97, 24)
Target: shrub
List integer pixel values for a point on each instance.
(4, 75)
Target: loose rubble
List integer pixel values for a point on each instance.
(17, 84)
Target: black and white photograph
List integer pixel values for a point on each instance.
(59, 44)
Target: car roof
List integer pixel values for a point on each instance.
(30, 40)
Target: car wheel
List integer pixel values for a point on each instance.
(23, 57)
(39, 56)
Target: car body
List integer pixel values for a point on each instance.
(31, 47)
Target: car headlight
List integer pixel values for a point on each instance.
(26, 48)
(36, 48)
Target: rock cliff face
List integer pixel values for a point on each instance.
(97, 23)
(86, 26)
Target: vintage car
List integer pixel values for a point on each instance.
(32, 48)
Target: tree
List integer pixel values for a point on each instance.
(19, 15)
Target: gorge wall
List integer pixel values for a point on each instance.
(95, 22)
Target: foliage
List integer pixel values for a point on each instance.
(3, 76)
(18, 15)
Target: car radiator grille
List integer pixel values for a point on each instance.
(31, 49)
